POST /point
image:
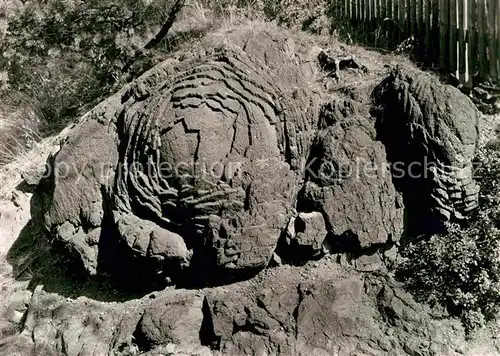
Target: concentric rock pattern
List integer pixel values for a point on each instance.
(204, 163)
(431, 135)
(242, 154)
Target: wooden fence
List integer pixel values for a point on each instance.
(457, 36)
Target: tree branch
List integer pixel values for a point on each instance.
(176, 8)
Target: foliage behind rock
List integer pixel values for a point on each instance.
(461, 269)
(66, 54)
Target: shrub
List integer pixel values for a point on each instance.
(19, 127)
(461, 268)
(67, 54)
(305, 15)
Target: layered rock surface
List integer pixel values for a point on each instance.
(431, 134)
(243, 156)
(204, 160)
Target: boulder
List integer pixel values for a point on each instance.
(172, 318)
(431, 133)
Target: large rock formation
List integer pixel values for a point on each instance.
(431, 134)
(240, 155)
(203, 162)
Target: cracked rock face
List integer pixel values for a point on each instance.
(219, 133)
(219, 160)
(332, 311)
(222, 161)
(430, 131)
(350, 183)
(198, 167)
(197, 163)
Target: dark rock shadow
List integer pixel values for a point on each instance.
(120, 277)
(33, 257)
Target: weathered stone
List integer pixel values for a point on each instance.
(324, 317)
(84, 246)
(18, 304)
(430, 131)
(368, 263)
(174, 317)
(195, 168)
(54, 325)
(348, 180)
(304, 237)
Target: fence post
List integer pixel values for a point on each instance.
(452, 67)
(444, 35)
(492, 45)
(396, 33)
(461, 41)
(427, 33)
(373, 14)
(472, 39)
(382, 15)
(414, 22)
(481, 19)
(401, 20)
(389, 24)
(497, 26)
(435, 32)
(419, 36)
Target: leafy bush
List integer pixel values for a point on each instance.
(461, 268)
(66, 54)
(307, 15)
(303, 14)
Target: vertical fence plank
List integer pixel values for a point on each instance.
(358, 10)
(435, 32)
(414, 24)
(452, 67)
(461, 40)
(401, 20)
(420, 35)
(368, 16)
(354, 12)
(481, 21)
(409, 25)
(382, 15)
(427, 32)
(373, 19)
(362, 17)
(389, 24)
(472, 38)
(420, 17)
(497, 26)
(444, 38)
(492, 45)
(396, 33)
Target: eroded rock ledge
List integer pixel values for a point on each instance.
(322, 309)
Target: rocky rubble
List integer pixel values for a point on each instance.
(331, 310)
